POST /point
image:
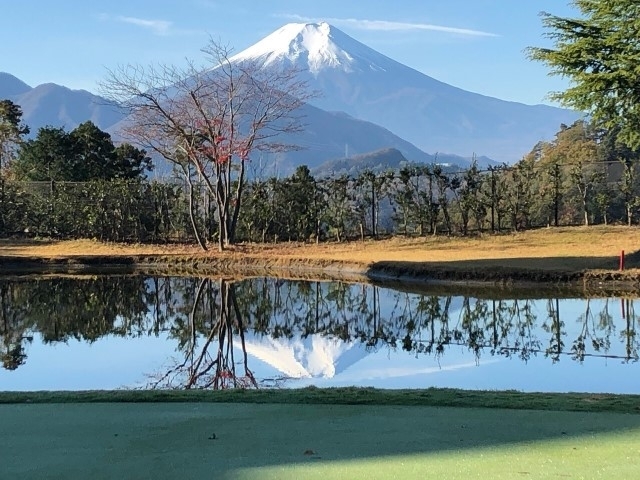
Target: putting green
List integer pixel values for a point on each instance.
(255, 441)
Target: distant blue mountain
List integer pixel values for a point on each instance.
(54, 105)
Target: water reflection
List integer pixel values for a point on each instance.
(223, 330)
(209, 358)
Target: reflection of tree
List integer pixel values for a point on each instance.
(211, 364)
(590, 332)
(209, 319)
(554, 327)
(14, 328)
(64, 308)
(629, 333)
(85, 308)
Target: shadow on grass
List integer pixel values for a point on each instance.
(524, 269)
(215, 440)
(10, 244)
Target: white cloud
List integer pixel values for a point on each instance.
(387, 26)
(158, 27)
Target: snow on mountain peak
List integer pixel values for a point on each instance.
(314, 46)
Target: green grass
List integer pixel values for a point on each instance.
(584, 402)
(296, 441)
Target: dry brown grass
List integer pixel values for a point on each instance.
(554, 249)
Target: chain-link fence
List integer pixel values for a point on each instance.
(415, 201)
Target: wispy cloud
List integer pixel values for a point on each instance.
(387, 26)
(155, 26)
(158, 27)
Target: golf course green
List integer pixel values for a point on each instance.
(300, 441)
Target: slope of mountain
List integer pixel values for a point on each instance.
(326, 135)
(436, 117)
(316, 356)
(11, 86)
(377, 161)
(54, 105)
(390, 159)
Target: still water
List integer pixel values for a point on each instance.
(105, 332)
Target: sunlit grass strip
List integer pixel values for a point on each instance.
(582, 402)
(584, 457)
(550, 255)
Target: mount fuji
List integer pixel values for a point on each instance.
(434, 116)
(315, 356)
(369, 103)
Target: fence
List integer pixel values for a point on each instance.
(417, 200)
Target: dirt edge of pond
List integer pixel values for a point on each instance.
(318, 269)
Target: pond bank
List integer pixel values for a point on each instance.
(597, 280)
(583, 257)
(431, 397)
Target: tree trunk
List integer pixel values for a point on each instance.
(194, 223)
(236, 207)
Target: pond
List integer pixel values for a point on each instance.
(106, 332)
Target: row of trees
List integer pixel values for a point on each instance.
(579, 178)
(84, 154)
(576, 179)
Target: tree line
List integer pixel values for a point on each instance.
(582, 177)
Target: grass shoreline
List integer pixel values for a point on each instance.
(579, 256)
(431, 397)
(603, 280)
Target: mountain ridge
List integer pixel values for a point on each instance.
(371, 102)
(434, 116)
(50, 104)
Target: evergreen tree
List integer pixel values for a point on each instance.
(599, 52)
(87, 153)
(11, 130)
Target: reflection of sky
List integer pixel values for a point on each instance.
(459, 370)
(108, 363)
(116, 362)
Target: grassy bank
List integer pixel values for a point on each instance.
(433, 397)
(544, 255)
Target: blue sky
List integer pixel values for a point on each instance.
(476, 45)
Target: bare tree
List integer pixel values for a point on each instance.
(208, 120)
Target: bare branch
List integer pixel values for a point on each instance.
(211, 118)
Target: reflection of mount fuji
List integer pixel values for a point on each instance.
(316, 356)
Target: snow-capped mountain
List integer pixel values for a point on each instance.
(387, 105)
(434, 116)
(317, 46)
(316, 356)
